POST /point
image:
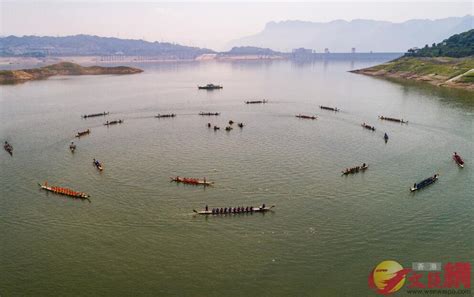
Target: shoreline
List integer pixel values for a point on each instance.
(440, 72)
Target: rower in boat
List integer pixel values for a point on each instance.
(228, 128)
(95, 115)
(192, 181)
(393, 120)
(424, 183)
(457, 158)
(231, 122)
(355, 169)
(72, 147)
(79, 134)
(209, 113)
(64, 191)
(209, 125)
(256, 102)
(241, 125)
(306, 117)
(97, 164)
(372, 128)
(171, 115)
(385, 137)
(329, 108)
(8, 147)
(113, 122)
(216, 128)
(234, 210)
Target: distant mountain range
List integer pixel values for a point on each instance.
(87, 45)
(363, 35)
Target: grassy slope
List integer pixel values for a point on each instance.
(437, 71)
(447, 67)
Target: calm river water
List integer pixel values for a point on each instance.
(138, 235)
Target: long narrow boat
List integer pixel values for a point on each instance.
(191, 181)
(457, 158)
(233, 211)
(393, 120)
(329, 108)
(82, 133)
(8, 147)
(113, 122)
(355, 169)
(301, 116)
(64, 191)
(364, 125)
(209, 113)
(256, 102)
(424, 183)
(95, 115)
(170, 115)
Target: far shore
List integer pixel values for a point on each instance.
(126, 59)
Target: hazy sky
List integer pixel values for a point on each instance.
(204, 24)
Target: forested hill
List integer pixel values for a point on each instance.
(456, 46)
(88, 45)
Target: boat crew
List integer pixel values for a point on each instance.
(363, 165)
(263, 206)
(207, 208)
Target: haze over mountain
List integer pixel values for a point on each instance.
(364, 35)
(88, 45)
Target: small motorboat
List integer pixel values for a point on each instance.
(457, 158)
(210, 87)
(424, 183)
